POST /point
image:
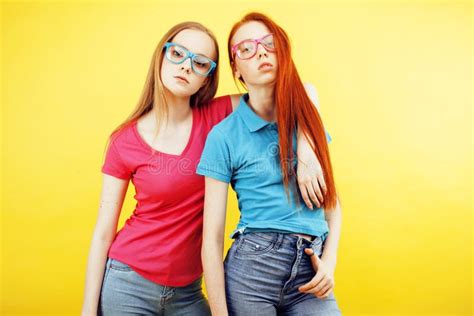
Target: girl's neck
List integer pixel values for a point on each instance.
(262, 101)
(179, 108)
(179, 113)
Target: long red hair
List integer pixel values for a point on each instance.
(293, 109)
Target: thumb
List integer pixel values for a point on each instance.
(314, 257)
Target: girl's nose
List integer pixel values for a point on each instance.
(187, 69)
(261, 50)
(186, 65)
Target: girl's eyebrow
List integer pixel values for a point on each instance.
(246, 39)
(252, 39)
(192, 51)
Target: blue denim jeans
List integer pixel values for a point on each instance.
(263, 271)
(125, 292)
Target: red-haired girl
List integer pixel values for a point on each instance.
(283, 258)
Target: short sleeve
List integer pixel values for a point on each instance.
(215, 160)
(114, 165)
(328, 137)
(217, 110)
(313, 94)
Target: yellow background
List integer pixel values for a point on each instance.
(394, 80)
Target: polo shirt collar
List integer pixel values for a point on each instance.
(250, 118)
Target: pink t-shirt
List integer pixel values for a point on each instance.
(162, 238)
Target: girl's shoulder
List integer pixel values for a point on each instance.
(223, 101)
(217, 109)
(125, 135)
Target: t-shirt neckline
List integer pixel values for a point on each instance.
(190, 139)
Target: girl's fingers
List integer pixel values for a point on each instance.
(315, 260)
(326, 292)
(322, 285)
(322, 184)
(311, 284)
(312, 194)
(317, 189)
(321, 291)
(304, 195)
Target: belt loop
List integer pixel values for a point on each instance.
(237, 232)
(324, 236)
(299, 242)
(279, 240)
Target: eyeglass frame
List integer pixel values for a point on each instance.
(190, 55)
(257, 41)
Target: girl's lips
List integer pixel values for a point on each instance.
(265, 65)
(181, 79)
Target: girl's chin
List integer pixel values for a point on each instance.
(263, 79)
(179, 90)
(269, 83)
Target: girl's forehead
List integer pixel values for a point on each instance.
(196, 41)
(250, 30)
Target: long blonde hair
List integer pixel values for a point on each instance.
(153, 91)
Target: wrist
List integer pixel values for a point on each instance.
(302, 139)
(89, 310)
(329, 260)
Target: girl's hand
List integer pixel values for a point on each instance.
(322, 284)
(310, 176)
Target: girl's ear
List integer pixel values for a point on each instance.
(236, 72)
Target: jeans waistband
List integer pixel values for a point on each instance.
(285, 238)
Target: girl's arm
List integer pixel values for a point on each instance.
(334, 219)
(215, 203)
(112, 197)
(309, 172)
(322, 284)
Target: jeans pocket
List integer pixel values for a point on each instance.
(106, 271)
(255, 244)
(119, 266)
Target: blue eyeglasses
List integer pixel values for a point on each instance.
(201, 65)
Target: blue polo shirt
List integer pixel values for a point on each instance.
(243, 150)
